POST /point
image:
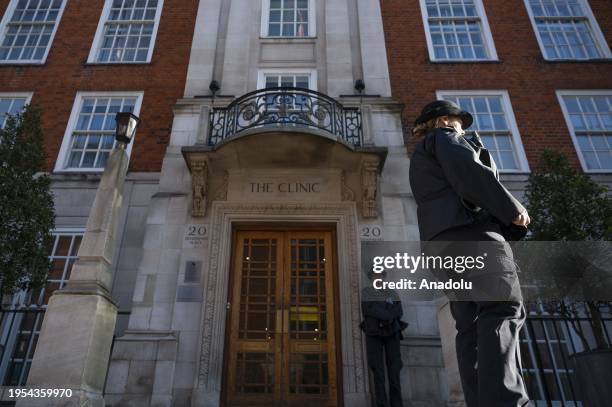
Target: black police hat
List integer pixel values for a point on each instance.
(444, 108)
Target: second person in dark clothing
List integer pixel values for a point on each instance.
(382, 325)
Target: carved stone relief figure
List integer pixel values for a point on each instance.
(369, 188)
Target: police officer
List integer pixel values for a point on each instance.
(382, 324)
(456, 186)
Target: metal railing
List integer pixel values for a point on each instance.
(549, 339)
(282, 107)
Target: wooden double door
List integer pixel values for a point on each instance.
(282, 342)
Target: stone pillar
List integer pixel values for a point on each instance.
(446, 325)
(143, 363)
(77, 331)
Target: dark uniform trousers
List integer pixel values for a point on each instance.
(375, 345)
(487, 340)
(382, 325)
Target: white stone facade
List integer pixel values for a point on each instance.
(171, 350)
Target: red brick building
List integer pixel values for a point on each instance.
(68, 68)
(81, 61)
(520, 67)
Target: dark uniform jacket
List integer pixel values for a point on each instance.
(382, 312)
(450, 184)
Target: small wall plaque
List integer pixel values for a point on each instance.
(195, 235)
(371, 232)
(192, 271)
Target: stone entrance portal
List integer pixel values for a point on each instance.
(280, 178)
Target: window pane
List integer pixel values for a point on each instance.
(272, 81)
(274, 30)
(591, 160)
(288, 30)
(508, 161)
(584, 143)
(605, 159)
(275, 16)
(505, 142)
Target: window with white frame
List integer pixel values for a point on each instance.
(293, 78)
(287, 80)
(126, 32)
(305, 79)
(589, 118)
(457, 30)
(11, 104)
(494, 120)
(24, 312)
(90, 135)
(27, 30)
(288, 18)
(566, 29)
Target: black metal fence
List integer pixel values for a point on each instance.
(285, 106)
(549, 340)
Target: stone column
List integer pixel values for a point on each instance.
(446, 325)
(77, 331)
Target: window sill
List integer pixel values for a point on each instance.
(285, 40)
(21, 64)
(598, 172)
(79, 171)
(75, 176)
(92, 64)
(513, 172)
(579, 61)
(464, 61)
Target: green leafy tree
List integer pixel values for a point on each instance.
(567, 205)
(26, 204)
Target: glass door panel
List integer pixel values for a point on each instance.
(282, 336)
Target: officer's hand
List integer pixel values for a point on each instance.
(522, 219)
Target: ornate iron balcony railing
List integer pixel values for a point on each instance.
(285, 107)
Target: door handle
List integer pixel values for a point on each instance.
(282, 321)
(280, 313)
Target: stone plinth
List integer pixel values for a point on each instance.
(73, 353)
